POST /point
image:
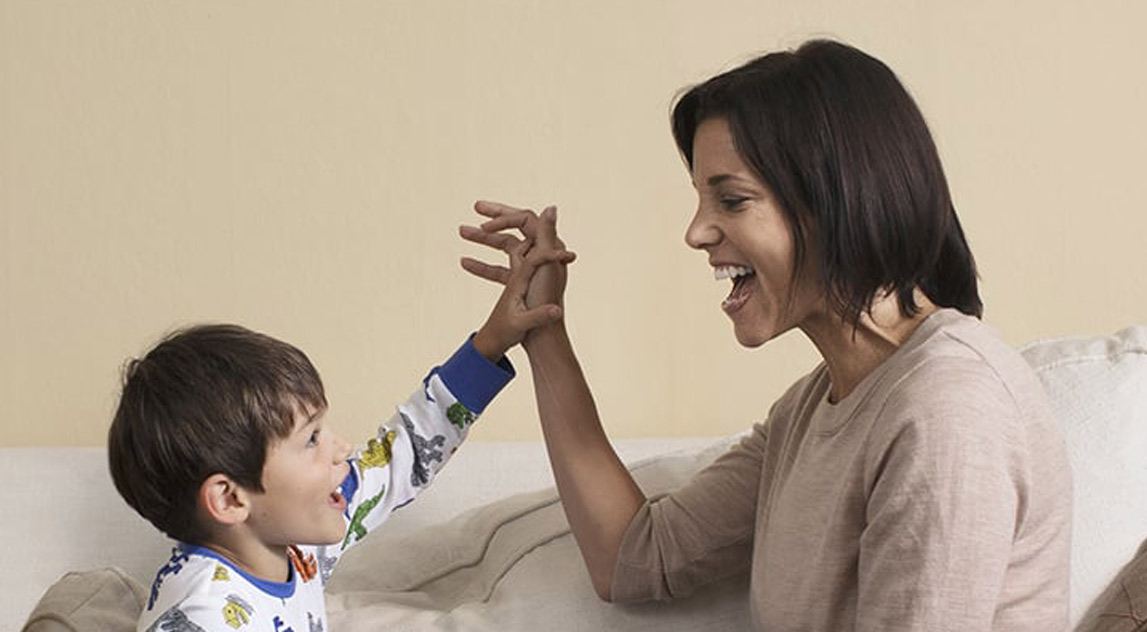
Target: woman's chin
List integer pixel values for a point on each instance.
(751, 337)
(753, 329)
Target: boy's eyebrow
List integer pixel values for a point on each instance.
(313, 419)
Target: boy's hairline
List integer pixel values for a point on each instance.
(301, 419)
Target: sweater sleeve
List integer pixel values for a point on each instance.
(947, 487)
(696, 535)
(408, 450)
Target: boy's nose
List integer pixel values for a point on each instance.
(343, 449)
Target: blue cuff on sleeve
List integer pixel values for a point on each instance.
(472, 378)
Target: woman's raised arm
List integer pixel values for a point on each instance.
(598, 494)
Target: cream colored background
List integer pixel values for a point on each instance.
(301, 168)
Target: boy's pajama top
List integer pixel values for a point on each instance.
(199, 590)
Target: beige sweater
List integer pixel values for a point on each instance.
(935, 496)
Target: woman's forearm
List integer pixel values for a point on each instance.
(598, 494)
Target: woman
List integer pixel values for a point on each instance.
(916, 479)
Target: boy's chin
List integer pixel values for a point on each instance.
(324, 540)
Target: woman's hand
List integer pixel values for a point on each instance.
(547, 286)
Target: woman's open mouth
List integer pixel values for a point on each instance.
(742, 286)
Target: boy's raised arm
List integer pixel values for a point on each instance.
(410, 448)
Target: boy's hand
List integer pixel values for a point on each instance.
(535, 281)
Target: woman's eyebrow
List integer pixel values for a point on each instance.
(713, 181)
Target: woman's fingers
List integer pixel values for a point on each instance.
(526, 261)
(501, 241)
(497, 209)
(481, 269)
(504, 217)
(524, 257)
(547, 232)
(525, 221)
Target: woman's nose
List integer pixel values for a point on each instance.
(701, 233)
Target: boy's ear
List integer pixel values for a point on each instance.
(224, 501)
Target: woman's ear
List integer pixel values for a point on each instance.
(223, 500)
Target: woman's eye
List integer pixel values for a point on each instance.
(732, 203)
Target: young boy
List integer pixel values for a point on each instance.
(220, 441)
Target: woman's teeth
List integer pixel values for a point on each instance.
(730, 272)
(741, 286)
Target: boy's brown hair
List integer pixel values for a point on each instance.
(207, 399)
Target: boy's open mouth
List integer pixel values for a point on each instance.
(337, 500)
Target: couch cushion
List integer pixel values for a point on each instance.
(105, 600)
(1123, 606)
(513, 565)
(1098, 388)
(71, 518)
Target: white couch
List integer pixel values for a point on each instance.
(480, 551)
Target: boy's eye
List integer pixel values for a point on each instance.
(314, 440)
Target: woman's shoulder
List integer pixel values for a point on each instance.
(964, 374)
(807, 391)
(955, 351)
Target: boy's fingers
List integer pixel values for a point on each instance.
(541, 315)
(524, 266)
(538, 256)
(521, 270)
(518, 251)
(525, 259)
(497, 274)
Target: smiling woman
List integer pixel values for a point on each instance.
(916, 479)
(842, 148)
(749, 239)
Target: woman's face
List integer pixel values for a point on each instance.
(748, 240)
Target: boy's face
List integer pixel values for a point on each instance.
(301, 503)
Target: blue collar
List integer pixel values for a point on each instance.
(281, 590)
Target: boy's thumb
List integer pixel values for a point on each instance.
(542, 315)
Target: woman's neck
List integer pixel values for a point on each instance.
(852, 353)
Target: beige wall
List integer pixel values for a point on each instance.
(301, 168)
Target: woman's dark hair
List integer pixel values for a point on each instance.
(208, 399)
(846, 152)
